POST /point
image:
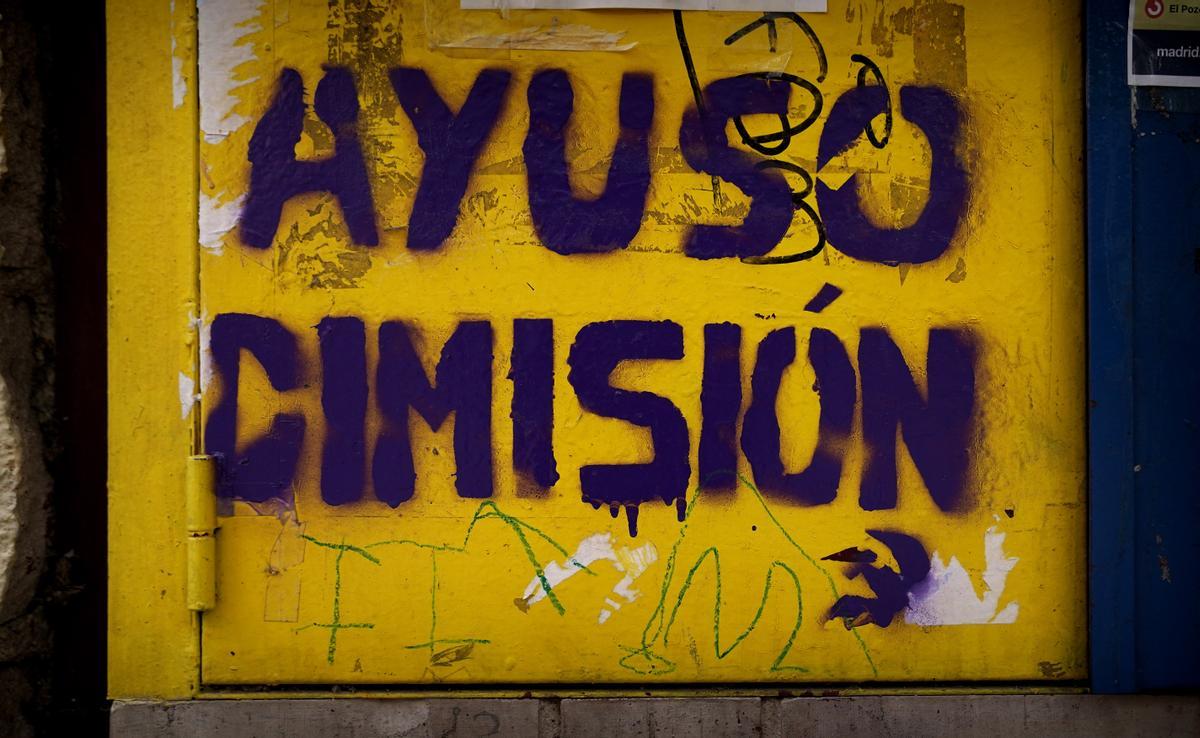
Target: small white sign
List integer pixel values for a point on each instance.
(1164, 43)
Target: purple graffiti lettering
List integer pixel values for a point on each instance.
(463, 385)
(936, 429)
(818, 483)
(824, 298)
(264, 467)
(891, 589)
(598, 349)
(565, 223)
(720, 405)
(849, 229)
(276, 176)
(532, 376)
(852, 555)
(344, 402)
(705, 147)
(451, 144)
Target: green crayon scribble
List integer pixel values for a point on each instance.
(660, 622)
(824, 572)
(654, 663)
(487, 510)
(335, 623)
(518, 527)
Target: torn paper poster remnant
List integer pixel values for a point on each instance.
(631, 562)
(948, 596)
(225, 30)
(567, 37)
(217, 219)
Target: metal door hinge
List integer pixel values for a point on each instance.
(201, 532)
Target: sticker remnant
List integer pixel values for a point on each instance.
(187, 395)
(566, 37)
(948, 597)
(631, 562)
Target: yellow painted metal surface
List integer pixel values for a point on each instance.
(153, 648)
(764, 581)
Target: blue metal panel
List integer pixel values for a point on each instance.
(1166, 289)
(1144, 343)
(1110, 348)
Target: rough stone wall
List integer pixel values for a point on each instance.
(26, 379)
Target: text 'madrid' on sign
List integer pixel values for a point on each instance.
(1164, 43)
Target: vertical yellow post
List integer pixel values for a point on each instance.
(153, 638)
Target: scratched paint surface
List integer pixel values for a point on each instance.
(632, 347)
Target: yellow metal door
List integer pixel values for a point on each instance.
(625, 346)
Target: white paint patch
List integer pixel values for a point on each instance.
(948, 597)
(224, 28)
(217, 219)
(204, 328)
(631, 562)
(634, 562)
(187, 395)
(223, 47)
(597, 547)
(178, 83)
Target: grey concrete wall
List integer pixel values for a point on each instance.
(1011, 716)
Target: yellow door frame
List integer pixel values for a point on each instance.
(153, 638)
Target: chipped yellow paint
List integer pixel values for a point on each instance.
(320, 595)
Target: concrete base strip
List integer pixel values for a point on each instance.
(1011, 716)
